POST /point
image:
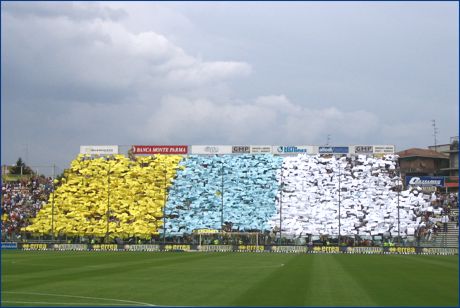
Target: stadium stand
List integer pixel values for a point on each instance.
(246, 184)
(245, 192)
(310, 197)
(129, 193)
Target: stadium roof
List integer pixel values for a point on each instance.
(416, 152)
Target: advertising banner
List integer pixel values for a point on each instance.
(326, 249)
(365, 250)
(384, 149)
(211, 149)
(439, 251)
(363, 149)
(147, 247)
(99, 149)
(250, 248)
(8, 245)
(104, 247)
(292, 149)
(451, 181)
(241, 149)
(80, 247)
(160, 149)
(34, 246)
(333, 150)
(425, 181)
(261, 149)
(400, 250)
(215, 248)
(175, 247)
(289, 249)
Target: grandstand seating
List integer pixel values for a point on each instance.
(368, 205)
(132, 191)
(247, 184)
(253, 189)
(21, 200)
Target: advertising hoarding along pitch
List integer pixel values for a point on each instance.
(99, 149)
(211, 149)
(9, 245)
(160, 149)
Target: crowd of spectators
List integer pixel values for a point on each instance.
(437, 217)
(21, 200)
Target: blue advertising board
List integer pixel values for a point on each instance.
(9, 245)
(333, 150)
(425, 181)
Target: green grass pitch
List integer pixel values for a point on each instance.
(57, 278)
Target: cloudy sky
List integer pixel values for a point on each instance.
(225, 73)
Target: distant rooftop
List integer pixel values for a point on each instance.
(417, 152)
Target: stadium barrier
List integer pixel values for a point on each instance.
(232, 248)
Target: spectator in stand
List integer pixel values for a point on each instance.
(445, 220)
(21, 200)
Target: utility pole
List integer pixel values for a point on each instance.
(328, 139)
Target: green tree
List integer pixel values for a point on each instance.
(21, 167)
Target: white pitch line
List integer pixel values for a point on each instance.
(54, 303)
(85, 297)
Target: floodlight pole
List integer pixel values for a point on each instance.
(399, 192)
(222, 195)
(108, 203)
(164, 209)
(340, 226)
(52, 205)
(281, 203)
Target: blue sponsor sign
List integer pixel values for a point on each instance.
(425, 181)
(9, 245)
(333, 150)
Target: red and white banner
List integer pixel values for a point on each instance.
(160, 149)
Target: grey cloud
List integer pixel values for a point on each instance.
(100, 62)
(77, 11)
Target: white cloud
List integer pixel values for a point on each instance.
(269, 119)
